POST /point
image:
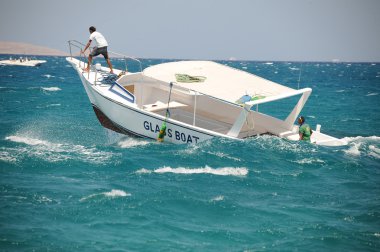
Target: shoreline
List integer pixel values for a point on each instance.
(26, 49)
(20, 48)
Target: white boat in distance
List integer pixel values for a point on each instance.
(195, 100)
(22, 61)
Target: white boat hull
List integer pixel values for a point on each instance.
(128, 119)
(29, 63)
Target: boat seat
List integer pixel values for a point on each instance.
(158, 105)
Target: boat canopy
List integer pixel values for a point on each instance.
(219, 81)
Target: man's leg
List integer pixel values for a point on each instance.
(89, 63)
(110, 65)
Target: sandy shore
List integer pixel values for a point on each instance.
(7, 47)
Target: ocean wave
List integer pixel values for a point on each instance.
(226, 171)
(26, 140)
(375, 152)
(7, 156)
(143, 171)
(53, 105)
(363, 146)
(56, 152)
(51, 89)
(203, 148)
(309, 161)
(224, 155)
(132, 142)
(372, 94)
(48, 76)
(361, 138)
(217, 198)
(112, 194)
(351, 119)
(275, 143)
(354, 150)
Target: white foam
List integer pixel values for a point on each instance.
(377, 234)
(351, 119)
(218, 198)
(26, 140)
(294, 68)
(54, 105)
(143, 171)
(55, 152)
(354, 150)
(309, 161)
(372, 94)
(361, 138)
(112, 194)
(131, 143)
(116, 193)
(268, 63)
(6, 156)
(223, 155)
(340, 91)
(51, 89)
(48, 76)
(374, 151)
(366, 146)
(226, 171)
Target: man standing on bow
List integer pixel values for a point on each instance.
(100, 48)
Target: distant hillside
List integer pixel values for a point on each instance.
(7, 47)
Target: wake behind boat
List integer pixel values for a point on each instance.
(194, 101)
(22, 61)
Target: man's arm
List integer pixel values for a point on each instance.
(301, 132)
(88, 44)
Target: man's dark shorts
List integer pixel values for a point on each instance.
(101, 50)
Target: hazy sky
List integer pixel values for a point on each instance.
(306, 30)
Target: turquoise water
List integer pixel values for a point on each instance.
(68, 184)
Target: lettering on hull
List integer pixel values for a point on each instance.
(170, 133)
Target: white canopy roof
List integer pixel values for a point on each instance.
(221, 81)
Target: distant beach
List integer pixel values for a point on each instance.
(7, 47)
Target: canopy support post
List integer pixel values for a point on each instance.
(236, 127)
(289, 121)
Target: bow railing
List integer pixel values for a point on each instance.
(74, 44)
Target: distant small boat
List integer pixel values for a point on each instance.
(22, 61)
(193, 101)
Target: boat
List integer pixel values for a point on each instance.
(22, 61)
(190, 102)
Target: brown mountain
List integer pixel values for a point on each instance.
(7, 47)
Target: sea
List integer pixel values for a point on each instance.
(68, 184)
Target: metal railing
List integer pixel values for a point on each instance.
(81, 46)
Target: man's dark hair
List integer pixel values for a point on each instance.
(302, 119)
(92, 29)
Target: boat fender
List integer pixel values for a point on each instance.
(162, 133)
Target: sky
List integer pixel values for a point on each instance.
(268, 30)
